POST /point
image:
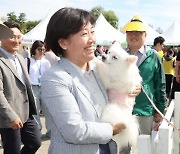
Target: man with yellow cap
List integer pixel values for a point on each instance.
(151, 70)
(5, 32)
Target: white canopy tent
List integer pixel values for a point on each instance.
(38, 32)
(173, 33)
(152, 34)
(106, 33)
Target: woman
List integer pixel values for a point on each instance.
(168, 62)
(37, 65)
(71, 89)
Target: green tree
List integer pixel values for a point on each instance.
(30, 25)
(12, 17)
(21, 19)
(109, 15)
(96, 11)
(111, 18)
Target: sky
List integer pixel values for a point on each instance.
(159, 13)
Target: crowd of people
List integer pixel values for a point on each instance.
(58, 78)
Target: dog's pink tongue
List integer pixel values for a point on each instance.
(121, 98)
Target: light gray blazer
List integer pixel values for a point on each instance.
(75, 126)
(16, 98)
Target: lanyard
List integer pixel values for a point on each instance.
(39, 66)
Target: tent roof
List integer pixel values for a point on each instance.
(152, 34)
(106, 33)
(38, 32)
(173, 33)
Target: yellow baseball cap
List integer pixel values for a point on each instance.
(136, 24)
(5, 32)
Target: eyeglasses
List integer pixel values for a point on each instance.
(41, 49)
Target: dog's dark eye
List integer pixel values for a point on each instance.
(114, 57)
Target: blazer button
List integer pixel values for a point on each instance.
(26, 101)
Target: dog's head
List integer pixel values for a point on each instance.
(118, 56)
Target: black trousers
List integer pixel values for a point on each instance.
(169, 80)
(29, 135)
(175, 87)
(104, 149)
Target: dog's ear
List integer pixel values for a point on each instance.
(131, 59)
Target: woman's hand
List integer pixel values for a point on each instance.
(117, 128)
(136, 92)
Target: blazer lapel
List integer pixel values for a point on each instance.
(24, 69)
(79, 82)
(7, 62)
(101, 86)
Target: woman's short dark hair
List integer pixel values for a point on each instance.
(35, 45)
(170, 52)
(63, 23)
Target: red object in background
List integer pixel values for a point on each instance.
(165, 50)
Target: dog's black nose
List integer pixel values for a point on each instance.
(103, 57)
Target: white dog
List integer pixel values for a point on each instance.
(120, 76)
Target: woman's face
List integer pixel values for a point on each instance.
(79, 47)
(40, 51)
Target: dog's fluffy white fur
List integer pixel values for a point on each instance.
(118, 72)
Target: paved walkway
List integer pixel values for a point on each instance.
(45, 142)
